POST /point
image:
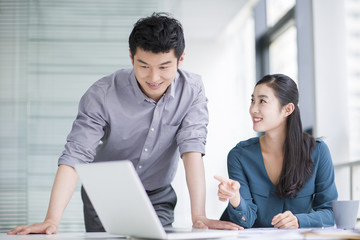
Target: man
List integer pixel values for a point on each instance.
(150, 115)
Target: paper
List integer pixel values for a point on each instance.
(333, 233)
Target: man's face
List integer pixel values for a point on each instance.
(155, 71)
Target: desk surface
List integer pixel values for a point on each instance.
(62, 236)
(250, 234)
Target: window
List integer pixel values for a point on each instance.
(283, 47)
(277, 38)
(50, 53)
(276, 9)
(352, 18)
(352, 8)
(283, 54)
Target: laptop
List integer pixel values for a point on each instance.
(121, 202)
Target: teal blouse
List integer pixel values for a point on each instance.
(259, 202)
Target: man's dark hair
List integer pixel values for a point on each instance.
(157, 33)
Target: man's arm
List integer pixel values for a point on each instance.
(195, 178)
(63, 188)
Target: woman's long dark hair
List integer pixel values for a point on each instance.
(298, 146)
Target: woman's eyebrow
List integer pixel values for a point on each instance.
(260, 96)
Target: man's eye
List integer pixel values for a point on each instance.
(164, 67)
(262, 101)
(145, 66)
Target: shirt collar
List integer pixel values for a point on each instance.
(170, 92)
(139, 95)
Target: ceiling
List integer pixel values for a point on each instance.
(204, 19)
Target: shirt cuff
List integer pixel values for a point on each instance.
(303, 220)
(237, 214)
(192, 146)
(66, 160)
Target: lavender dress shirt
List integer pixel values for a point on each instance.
(117, 121)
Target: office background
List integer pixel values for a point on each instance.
(52, 51)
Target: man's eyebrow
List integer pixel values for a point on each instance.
(165, 63)
(143, 62)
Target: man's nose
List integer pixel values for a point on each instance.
(154, 75)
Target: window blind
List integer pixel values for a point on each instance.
(50, 53)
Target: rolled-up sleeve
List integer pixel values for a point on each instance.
(191, 136)
(87, 129)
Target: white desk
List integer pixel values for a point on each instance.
(249, 234)
(62, 236)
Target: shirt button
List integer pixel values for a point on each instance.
(145, 149)
(140, 166)
(152, 129)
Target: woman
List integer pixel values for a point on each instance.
(285, 178)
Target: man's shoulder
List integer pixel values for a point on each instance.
(189, 75)
(124, 72)
(120, 78)
(190, 78)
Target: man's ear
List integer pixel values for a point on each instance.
(131, 57)
(181, 59)
(289, 109)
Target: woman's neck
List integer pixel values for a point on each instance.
(273, 142)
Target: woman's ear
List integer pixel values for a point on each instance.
(289, 108)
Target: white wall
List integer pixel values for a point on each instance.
(226, 63)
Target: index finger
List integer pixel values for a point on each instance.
(220, 179)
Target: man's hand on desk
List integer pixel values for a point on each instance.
(44, 227)
(203, 222)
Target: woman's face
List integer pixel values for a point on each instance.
(265, 110)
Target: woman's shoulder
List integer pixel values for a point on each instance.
(246, 152)
(248, 143)
(321, 152)
(321, 145)
(251, 144)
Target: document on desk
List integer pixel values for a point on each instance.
(333, 233)
(298, 234)
(271, 233)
